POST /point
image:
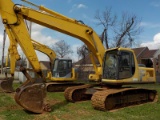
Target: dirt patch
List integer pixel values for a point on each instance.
(46, 116)
(11, 107)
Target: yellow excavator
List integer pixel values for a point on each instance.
(55, 64)
(117, 66)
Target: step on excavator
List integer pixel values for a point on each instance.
(117, 66)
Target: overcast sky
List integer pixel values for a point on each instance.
(85, 10)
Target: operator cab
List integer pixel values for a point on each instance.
(119, 64)
(62, 68)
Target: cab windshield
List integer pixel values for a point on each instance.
(118, 65)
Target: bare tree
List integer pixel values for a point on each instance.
(122, 31)
(62, 49)
(82, 52)
(128, 30)
(107, 20)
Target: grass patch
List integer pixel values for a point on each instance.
(63, 110)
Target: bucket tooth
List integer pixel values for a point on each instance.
(31, 97)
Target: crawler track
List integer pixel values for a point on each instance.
(118, 98)
(77, 93)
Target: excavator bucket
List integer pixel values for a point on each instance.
(31, 97)
(6, 84)
(31, 94)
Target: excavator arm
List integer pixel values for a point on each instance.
(44, 49)
(15, 19)
(14, 55)
(6, 83)
(20, 33)
(41, 48)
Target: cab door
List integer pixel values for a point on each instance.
(62, 68)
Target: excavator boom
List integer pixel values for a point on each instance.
(6, 83)
(55, 21)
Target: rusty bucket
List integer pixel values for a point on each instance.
(6, 84)
(31, 97)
